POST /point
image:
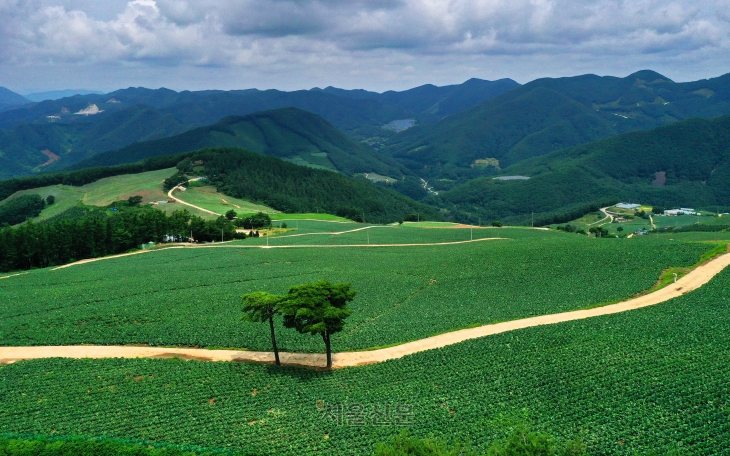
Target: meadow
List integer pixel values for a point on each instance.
(102, 192)
(191, 297)
(648, 381)
(208, 198)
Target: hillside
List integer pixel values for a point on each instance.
(10, 99)
(31, 148)
(683, 164)
(551, 114)
(289, 133)
(272, 184)
(287, 187)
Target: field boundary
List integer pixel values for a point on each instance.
(227, 245)
(692, 281)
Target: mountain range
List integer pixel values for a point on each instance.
(550, 114)
(558, 147)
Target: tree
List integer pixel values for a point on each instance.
(620, 228)
(50, 200)
(260, 220)
(497, 224)
(318, 308)
(134, 201)
(230, 215)
(260, 307)
(598, 231)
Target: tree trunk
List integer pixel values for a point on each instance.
(273, 341)
(326, 337)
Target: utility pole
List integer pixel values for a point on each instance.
(471, 235)
(418, 215)
(533, 219)
(368, 231)
(221, 234)
(267, 240)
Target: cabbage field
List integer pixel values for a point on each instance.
(649, 381)
(191, 297)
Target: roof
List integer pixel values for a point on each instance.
(628, 206)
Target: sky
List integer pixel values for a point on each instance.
(372, 44)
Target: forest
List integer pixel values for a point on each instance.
(94, 233)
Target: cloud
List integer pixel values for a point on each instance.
(350, 37)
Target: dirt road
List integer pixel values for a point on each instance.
(169, 194)
(695, 279)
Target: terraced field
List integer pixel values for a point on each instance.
(191, 297)
(650, 381)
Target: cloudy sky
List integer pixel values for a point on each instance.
(372, 44)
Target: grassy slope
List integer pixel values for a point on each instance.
(653, 379)
(192, 297)
(208, 198)
(102, 192)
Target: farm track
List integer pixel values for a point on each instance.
(169, 194)
(692, 281)
(222, 245)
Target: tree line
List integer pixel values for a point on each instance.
(96, 234)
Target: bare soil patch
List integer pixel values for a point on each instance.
(52, 158)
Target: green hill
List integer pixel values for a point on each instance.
(291, 134)
(290, 188)
(550, 114)
(233, 172)
(692, 158)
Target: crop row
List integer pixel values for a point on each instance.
(192, 297)
(651, 379)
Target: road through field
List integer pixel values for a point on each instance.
(692, 281)
(169, 194)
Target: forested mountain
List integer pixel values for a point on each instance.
(10, 99)
(429, 102)
(30, 148)
(58, 94)
(76, 127)
(288, 133)
(683, 164)
(550, 114)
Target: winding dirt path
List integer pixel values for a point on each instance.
(169, 194)
(607, 216)
(692, 281)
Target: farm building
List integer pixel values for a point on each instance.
(681, 211)
(628, 206)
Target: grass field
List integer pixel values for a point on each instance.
(208, 198)
(649, 381)
(102, 192)
(312, 216)
(191, 297)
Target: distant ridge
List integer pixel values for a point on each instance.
(10, 99)
(58, 94)
(554, 113)
(288, 133)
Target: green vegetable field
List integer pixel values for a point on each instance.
(191, 297)
(655, 380)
